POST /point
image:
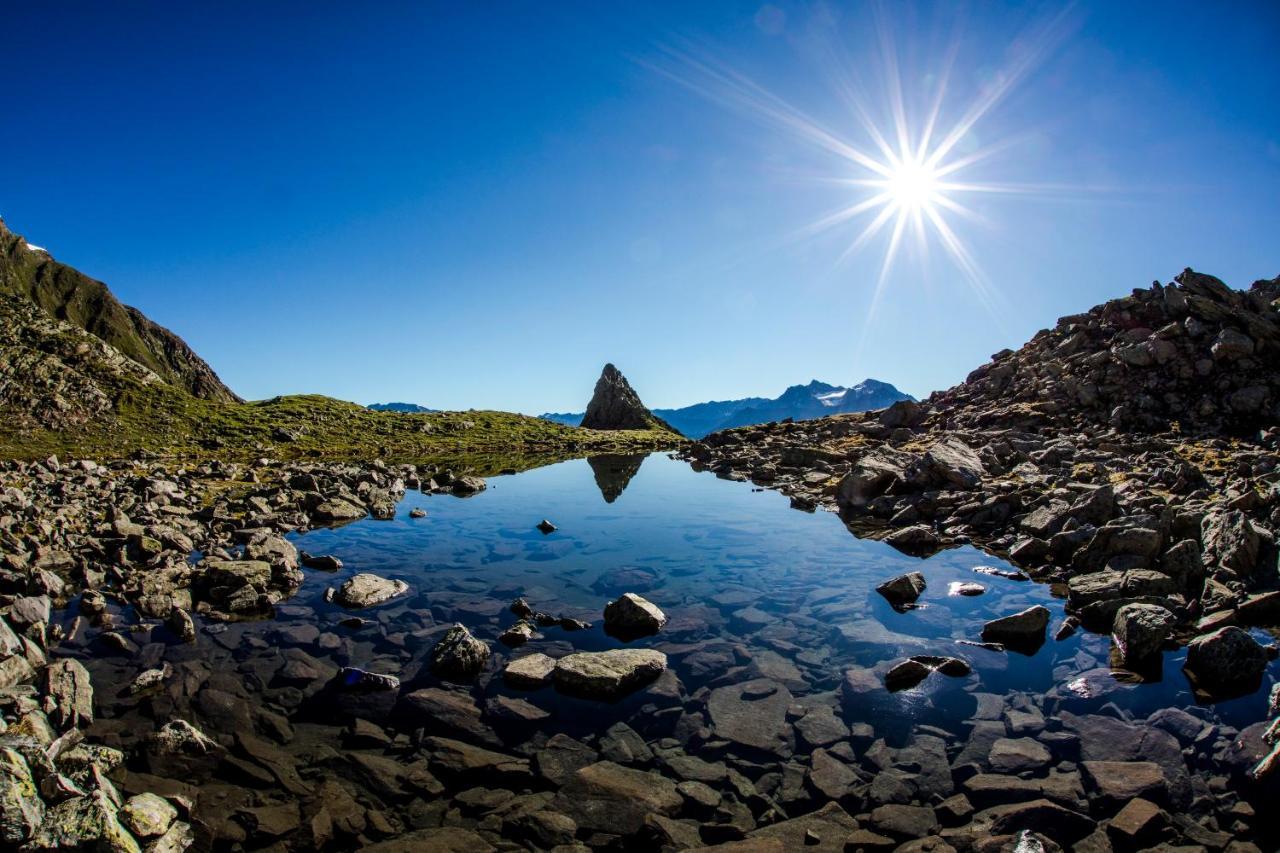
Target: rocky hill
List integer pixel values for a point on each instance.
(66, 294)
(799, 402)
(1130, 454)
(615, 405)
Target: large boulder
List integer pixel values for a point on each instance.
(607, 675)
(1231, 542)
(1021, 631)
(1139, 630)
(459, 656)
(606, 797)
(904, 589)
(1227, 662)
(366, 590)
(631, 616)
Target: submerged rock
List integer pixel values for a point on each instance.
(607, 675)
(751, 713)
(630, 616)
(459, 656)
(607, 797)
(354, 678)
(366, 590)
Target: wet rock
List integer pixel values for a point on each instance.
(417, 512)
(518, 634)
(1042, 816)
(531, 672)
(147, 815)
(320, 562)
(607, 675)
(1139, 824)
(824, 831)
(459, 656)
(354, 678)
(1226, 662)
(444, 839)
(966, 588)
(181, 624)
(1140, 630)
(752, 713)
(917, 540)
(1025, 630)
(467, 486)
(149, 679)
(367, 590)
(631, 616)
(902, 821)
(561, 758)
(546, 527)
(606, 797)
(1018, 755)
(178, 737)
(821, 727)
(337, 510)
(904, 589)
(1115, 783)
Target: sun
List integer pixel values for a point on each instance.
(913, 186)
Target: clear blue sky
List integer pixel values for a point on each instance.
(478, 204)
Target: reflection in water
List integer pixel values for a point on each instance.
(614, 472)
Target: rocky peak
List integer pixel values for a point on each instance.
(616, 405)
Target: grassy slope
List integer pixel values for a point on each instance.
(161, 419)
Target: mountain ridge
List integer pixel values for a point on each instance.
(799, 402)
(66, 294)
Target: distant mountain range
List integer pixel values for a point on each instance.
(398, 407)
(799, 402)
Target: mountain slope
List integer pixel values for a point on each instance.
(799, 402)
(65, 293)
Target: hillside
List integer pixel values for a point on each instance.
(65, 293)
(83, 376)
(798, 402)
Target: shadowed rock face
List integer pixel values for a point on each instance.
(613, 472)
(616, 405)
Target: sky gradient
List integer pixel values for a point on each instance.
(477, 205)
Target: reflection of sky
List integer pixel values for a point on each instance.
(712, 542)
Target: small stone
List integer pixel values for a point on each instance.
(546, 526)
(366, 590)
(631, 616)
(904, 589)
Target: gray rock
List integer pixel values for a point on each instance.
(631, 616)
(67, 682)
(531, 672)
(21, 809)
(1022, 630)
(904, 589)
(84, 823)
(607, 675)
(459, 656)
(1226, 662)
(606, 797)
(1140, 630)
(367, 590)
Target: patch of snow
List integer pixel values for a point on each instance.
(833, 398)
(34, 248)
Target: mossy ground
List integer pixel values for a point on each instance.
(162, 420)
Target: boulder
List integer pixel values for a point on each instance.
(1021, 631)
(67, 683)
(904, 589)
(1231, 542)
(531, 672)
(1227, 662)
(608, 675)
(147, 815)
(459, 656)
(1140, 630)
(21, 809)
(630, 616)
(367, 590)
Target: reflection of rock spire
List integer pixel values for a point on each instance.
(614, 471)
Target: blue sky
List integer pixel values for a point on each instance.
(477, 205)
